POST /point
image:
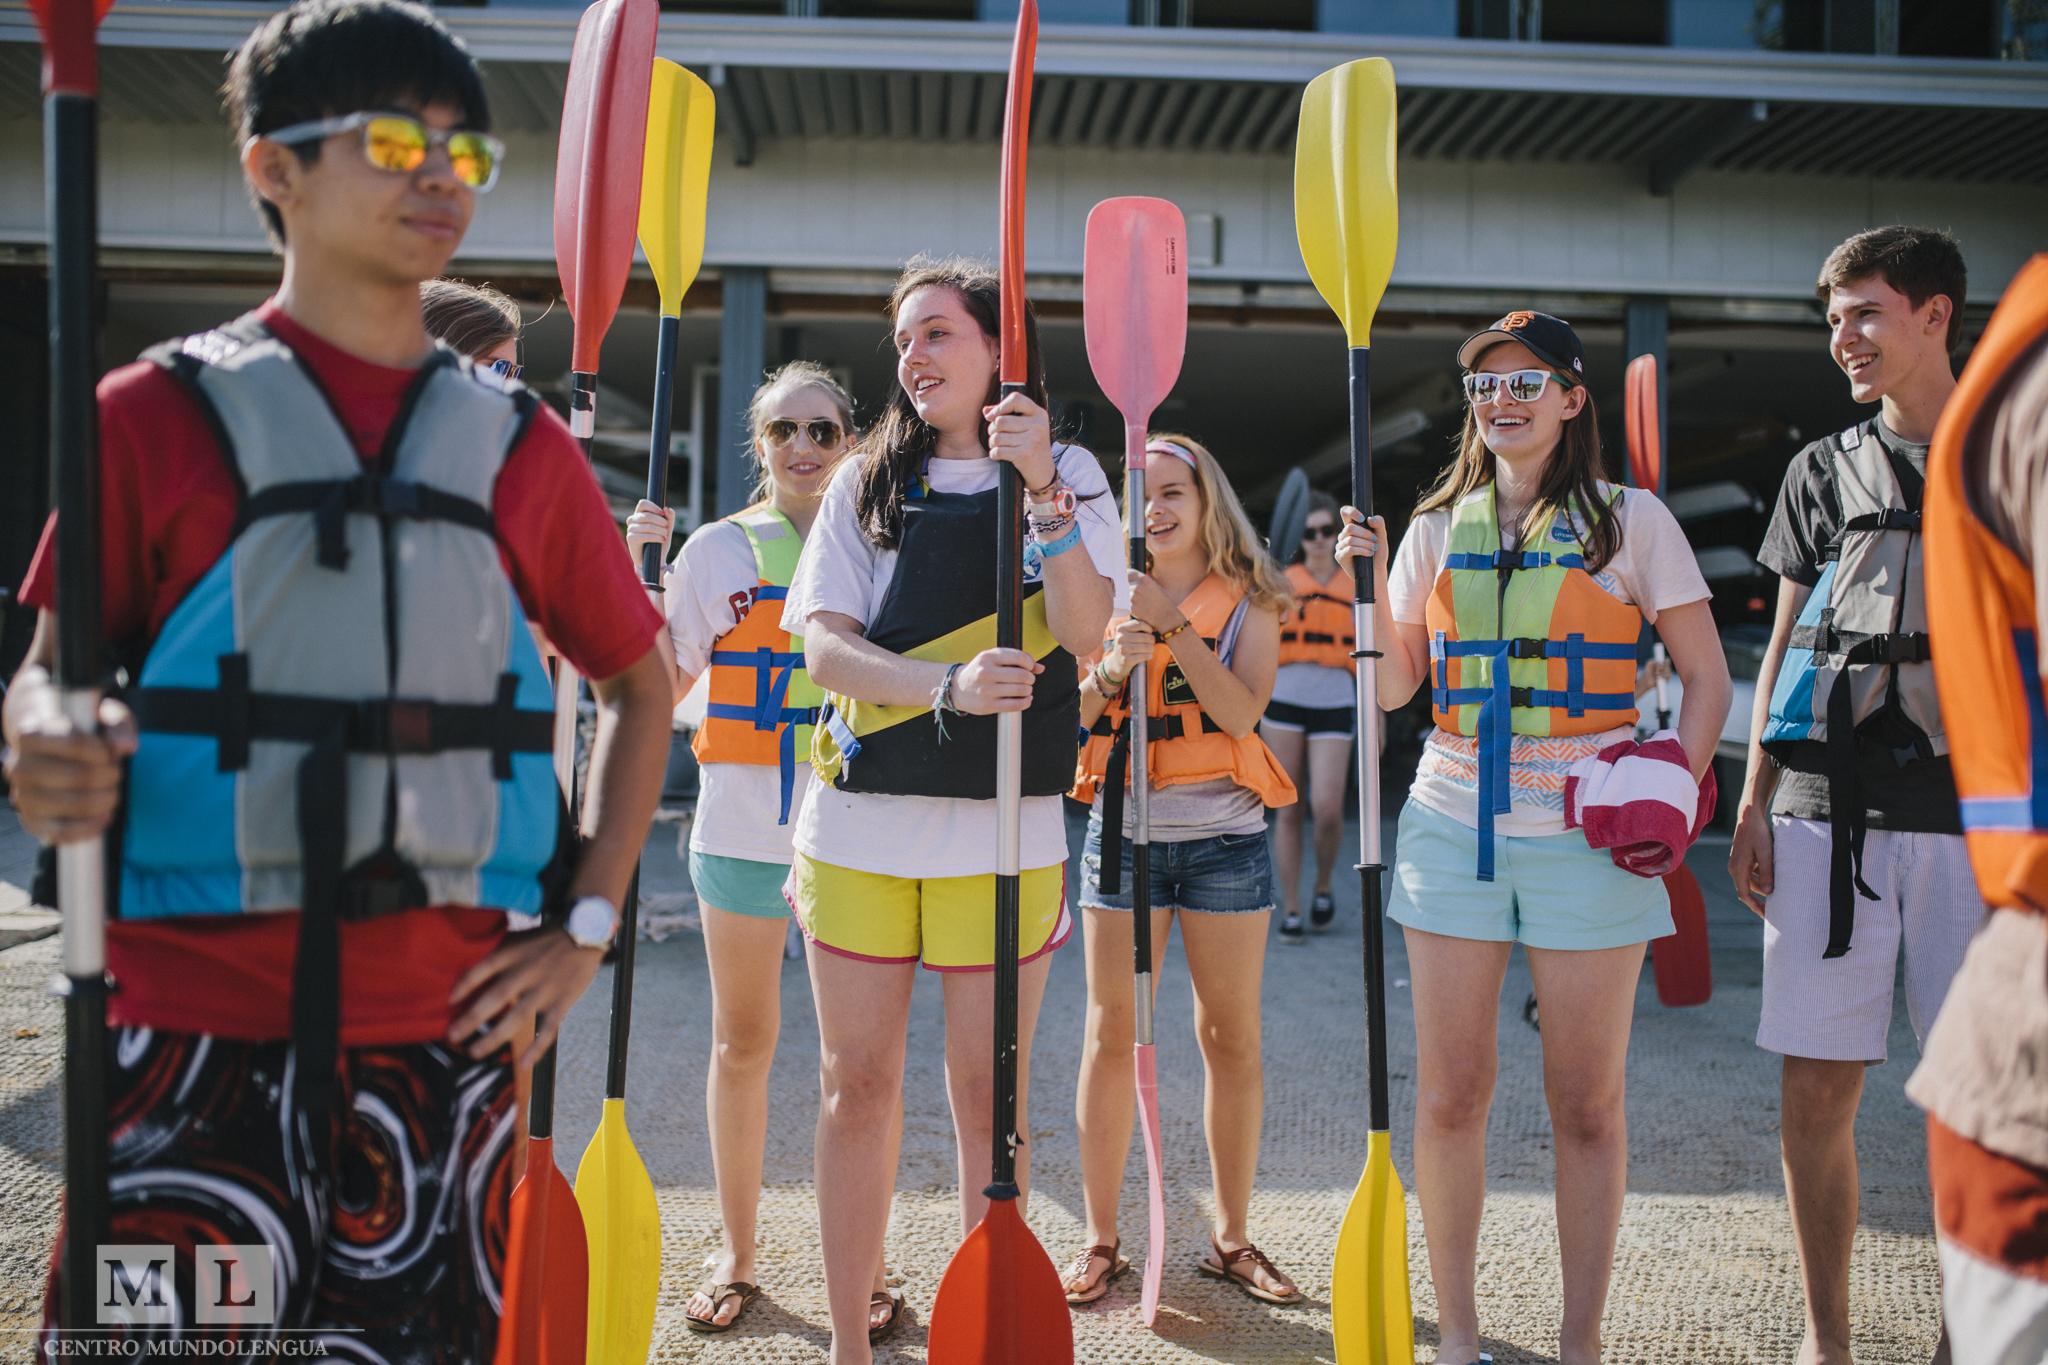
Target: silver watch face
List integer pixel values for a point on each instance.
(592, 921)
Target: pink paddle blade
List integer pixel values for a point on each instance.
(597, 167)
(1155, 1245)
(1000, 1302)
(1684, 966)
(1134, 302)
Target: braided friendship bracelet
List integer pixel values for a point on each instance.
(942, 696)
(1063, 544)
(1162, 639)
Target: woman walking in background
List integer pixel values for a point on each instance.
(723, 601)
(1522, 559)
(1207, 621)
(1309, 721)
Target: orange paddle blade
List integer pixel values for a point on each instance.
(70, 29)
(598, 165)
(1645, 443)
(545, 1320)
(1000, 1302)
(1134, 303)
(1015, 360)
(1685, 968)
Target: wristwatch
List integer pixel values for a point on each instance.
(592, 923)
(1059, 501)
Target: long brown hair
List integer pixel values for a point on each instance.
(1571, 478)
(473, 318)
(1236, 554)
(894, 450)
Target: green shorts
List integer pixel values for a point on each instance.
(739, 885)
(1548, 890)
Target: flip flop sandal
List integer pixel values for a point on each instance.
(1224, 1266)
(897, 1312)
(1077, 1269)
(1322, 910)
(1290, 929)
(718, 1294)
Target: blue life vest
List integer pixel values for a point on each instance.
(347, 716)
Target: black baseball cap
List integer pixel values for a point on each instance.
(1551, 339)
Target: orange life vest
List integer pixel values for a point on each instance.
(1183, 743)
(762, 703)
(1318, 630)
(1981, 612)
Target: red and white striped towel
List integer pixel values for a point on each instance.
(1640, 802)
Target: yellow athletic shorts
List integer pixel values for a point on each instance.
(948, 922)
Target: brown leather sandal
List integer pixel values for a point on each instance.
(1242, 1267)
(718, 1294)
(1079, 1289)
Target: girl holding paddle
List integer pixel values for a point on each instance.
(752, 781)
(1207, 621)
(1523, 560)
(896, 844)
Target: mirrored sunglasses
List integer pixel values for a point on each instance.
(507, 368)
(825, 434)
(400, 142)
(1524, 386)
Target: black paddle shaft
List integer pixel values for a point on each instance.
(1009, 635)
(622, 992)
(71, 154)
(657, 447)
(1141, 778)
(1370, 866)
(540, 1105)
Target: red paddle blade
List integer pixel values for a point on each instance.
(1685, 969)
(1016, 148)
(545, 1320)
(597, 169)
(1001, 1302)
(70, 30)
(1155, 1245)
(1645, 444)
(1134, 303)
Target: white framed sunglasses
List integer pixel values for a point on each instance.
(1524, 386)
(400, 143)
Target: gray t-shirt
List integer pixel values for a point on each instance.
(1920, 796)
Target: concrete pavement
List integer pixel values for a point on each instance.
(1705, 1269)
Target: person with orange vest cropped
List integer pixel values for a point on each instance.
(723, 600)
(1981, 1079)
(1309, 721)
(1206, 622)
(1517, 597)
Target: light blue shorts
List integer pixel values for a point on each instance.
(739, 885)
(1548, 891)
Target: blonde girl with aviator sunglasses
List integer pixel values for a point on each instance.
(723, 602)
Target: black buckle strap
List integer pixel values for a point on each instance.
(316, 970)
(365, 727)
(1912, 647)
(233, 749)
(1109, 876)
(1889, 519)
(1847, 822)
(331, 501)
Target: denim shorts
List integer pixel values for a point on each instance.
(1230, 874)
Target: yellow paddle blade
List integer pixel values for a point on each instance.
(1345, 209)
(1369, 1310)
(624, 1230)
(675, 178)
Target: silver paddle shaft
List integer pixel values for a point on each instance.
(82, 867)
(1009, 789)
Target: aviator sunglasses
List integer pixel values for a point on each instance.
(1524, 386)
(400, 142)
(824, 433)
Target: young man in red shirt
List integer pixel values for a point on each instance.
(342, 887)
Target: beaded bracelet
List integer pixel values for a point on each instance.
(1162, 639)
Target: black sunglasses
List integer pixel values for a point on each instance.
(1323, 532)
(825, 433)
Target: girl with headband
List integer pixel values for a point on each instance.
(1206, 621)
(895, 599)
(723, 602)
(1517, 597)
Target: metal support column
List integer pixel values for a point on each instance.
(740, 360)
(1646, 328)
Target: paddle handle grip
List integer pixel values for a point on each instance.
(1361, 462)
(583, 406)
(540, 1106)
(651, 556)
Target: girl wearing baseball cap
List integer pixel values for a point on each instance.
(1517, 598)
